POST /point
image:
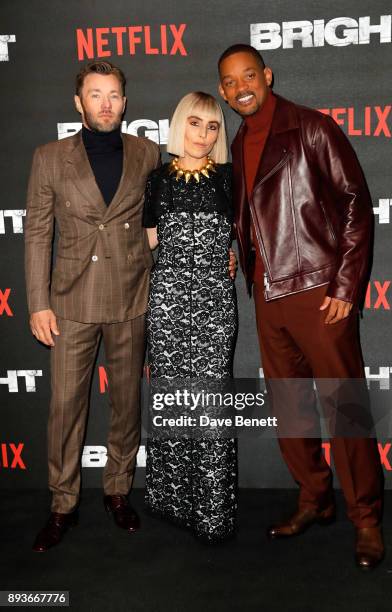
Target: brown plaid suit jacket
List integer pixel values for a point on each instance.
(102, 265)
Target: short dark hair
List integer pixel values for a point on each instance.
(99, 68)
(241, 48)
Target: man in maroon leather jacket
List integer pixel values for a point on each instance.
(303, 224)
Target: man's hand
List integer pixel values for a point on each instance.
(43, 324)
(338, 309)
(232, 264)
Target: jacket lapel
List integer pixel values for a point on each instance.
(130, 178)
(276, 151)
(80, 173)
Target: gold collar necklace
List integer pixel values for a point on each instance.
(187, 174)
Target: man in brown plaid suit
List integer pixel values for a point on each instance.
(92, 184)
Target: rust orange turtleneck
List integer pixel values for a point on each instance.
(258, 127)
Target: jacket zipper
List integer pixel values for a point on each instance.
(267, 285)
(274, 169)
(266, 278)
(266, 282)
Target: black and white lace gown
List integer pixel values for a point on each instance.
(191, 331)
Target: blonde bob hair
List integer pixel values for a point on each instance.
(190, 104)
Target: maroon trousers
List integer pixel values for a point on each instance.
(296, 343)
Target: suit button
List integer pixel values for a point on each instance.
(68, 203)
(126, 225)
(129, 257)
(94, 258)
(101, 227)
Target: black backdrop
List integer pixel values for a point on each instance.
(166, 50)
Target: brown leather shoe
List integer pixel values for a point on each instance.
(369, 548)
(123, 514)
(300, 521)
(54, 530)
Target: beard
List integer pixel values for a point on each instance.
(101, 125)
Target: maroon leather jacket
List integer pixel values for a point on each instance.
(310, 207)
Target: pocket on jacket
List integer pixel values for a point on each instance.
(68, 267)
(327, 221)
(148, 259)
(144, 259)
(58, 256)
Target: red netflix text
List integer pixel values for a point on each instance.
(370, 121)
(376, 295)
(11, 456)
(130, 40)
(4, 305)
(383, 449)
(103, 377)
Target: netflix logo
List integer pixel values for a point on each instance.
(383, 450)
(376, 295)
(369, 121)
(130, 40)
(5, 308)
(11, 456)
(103, 378)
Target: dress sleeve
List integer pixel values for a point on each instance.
(149, 214)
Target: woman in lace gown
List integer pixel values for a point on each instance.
(192, 315)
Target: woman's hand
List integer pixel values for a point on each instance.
(152, 237)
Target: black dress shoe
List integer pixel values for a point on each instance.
(369, 547)
(54, 530)
(300, 521)
(123, 514)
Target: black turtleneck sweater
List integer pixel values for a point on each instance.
(105, 154)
